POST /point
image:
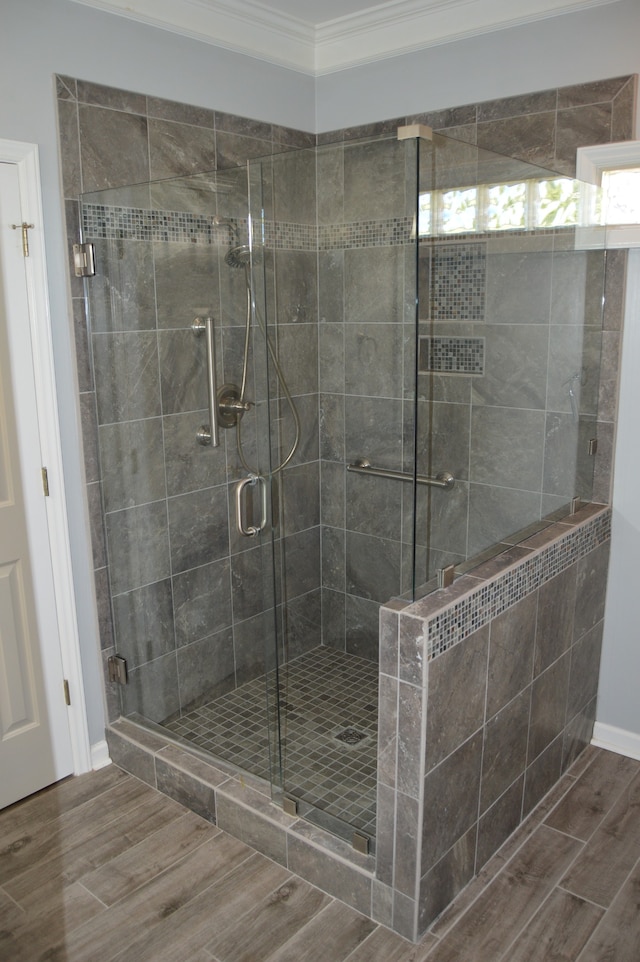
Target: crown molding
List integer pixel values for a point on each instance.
(380, 31)
(244, 26)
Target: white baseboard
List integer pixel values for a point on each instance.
(100, 755)
(616, 740)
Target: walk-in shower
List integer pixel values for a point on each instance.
(390, 349)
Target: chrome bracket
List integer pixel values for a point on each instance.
(446, 576)
(410, 131)
(117, 668)
(290, 806)
(84, 260)
(360, 843)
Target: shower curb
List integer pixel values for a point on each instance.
(241, 805)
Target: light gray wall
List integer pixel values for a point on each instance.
(39, 38)
(618, 700)
(562, 51)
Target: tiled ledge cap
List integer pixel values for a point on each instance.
(489, 572)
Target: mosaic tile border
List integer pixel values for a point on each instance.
(392, 232)
(451, 355)
(104, 222)
(461, 618)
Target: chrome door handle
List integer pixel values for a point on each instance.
(251, 530)
(208, 433)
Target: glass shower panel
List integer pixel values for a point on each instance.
(509, 355)
(338, 227)
(192, 600)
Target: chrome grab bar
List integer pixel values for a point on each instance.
(209, 433)
(251, 530)
(363, 466)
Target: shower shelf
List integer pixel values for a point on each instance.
(363, 466)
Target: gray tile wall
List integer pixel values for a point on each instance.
(545, 128)
(366, 351)
(478, 725)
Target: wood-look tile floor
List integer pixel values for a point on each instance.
(103, 867)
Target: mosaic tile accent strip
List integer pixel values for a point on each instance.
(392, 232)
(133, 223)
(326, 694)
(128, 223)
(101, 222)
(452, 355)
(459, 275)
(462, 618)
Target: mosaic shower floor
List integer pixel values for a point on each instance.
(329, 720)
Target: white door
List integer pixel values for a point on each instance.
(35, 738)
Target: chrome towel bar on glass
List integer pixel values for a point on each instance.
(364, 466)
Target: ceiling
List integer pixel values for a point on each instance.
(322, 36)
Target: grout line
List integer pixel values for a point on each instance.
(604, 919)
(526, 836)
(583, 898)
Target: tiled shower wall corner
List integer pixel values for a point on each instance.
(487, 695)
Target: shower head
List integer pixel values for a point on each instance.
(238, 256)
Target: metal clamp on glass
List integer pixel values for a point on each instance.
(250, 530)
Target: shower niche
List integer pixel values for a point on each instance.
(330, 383)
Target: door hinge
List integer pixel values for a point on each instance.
(25, 228)
(45, 482)
(84, 260)
(117, 668)
(67, 695)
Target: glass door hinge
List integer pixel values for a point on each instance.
(67, 693)
(45, 482)
(84, 260)
(117, 666)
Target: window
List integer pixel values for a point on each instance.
(617, 168)
(519, 205)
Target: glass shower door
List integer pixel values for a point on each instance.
(339, 293)
(192, 598)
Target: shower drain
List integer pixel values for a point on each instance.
(350, 736)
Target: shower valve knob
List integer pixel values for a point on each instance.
(235, 406)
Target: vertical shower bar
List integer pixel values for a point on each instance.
(209, 434)
(211, 381)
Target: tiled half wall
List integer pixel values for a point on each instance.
(487, 695)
